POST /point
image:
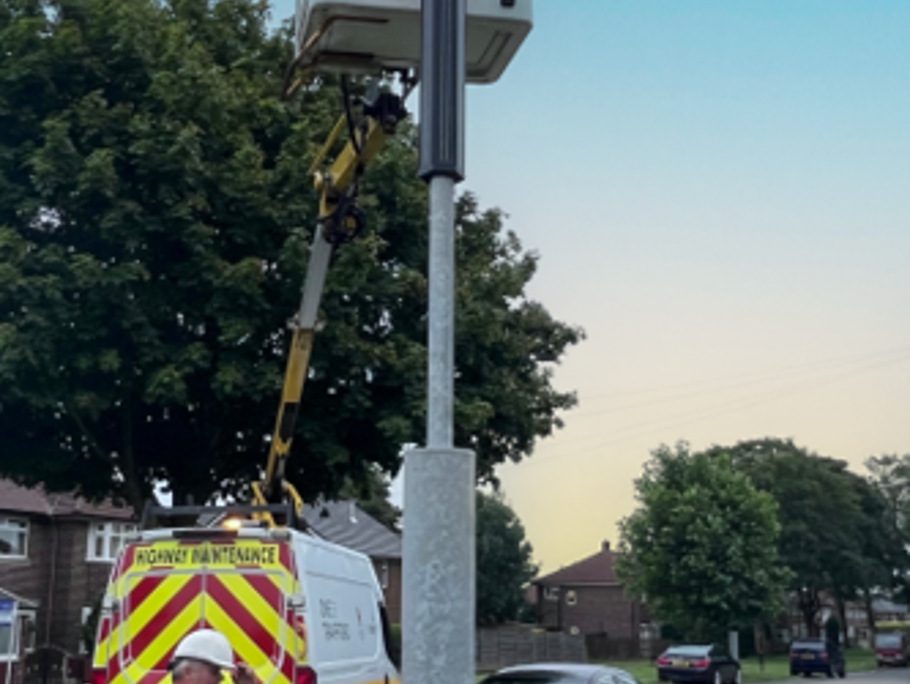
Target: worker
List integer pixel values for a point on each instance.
(202, 656)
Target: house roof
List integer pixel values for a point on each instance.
(35, 501)
(886, 606)
(345, 523)
(596, 569)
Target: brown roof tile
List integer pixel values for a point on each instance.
(596, 569)
(35, 501)
(345, 523)
(21, 499)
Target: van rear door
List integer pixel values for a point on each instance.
(248, 589)
(157, 599)
(164, 589)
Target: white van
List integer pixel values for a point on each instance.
(298, 609)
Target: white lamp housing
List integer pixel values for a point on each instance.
(368, 36)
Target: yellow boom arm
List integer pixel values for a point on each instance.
(339, 221)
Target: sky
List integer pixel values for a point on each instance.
(718, 195)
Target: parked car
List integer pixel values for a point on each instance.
(560, 673)
(892, 648)
(707, 664)
(808, 656)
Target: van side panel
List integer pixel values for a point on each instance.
(345, 628)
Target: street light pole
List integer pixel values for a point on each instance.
(439, 557)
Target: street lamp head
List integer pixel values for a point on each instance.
(373, 36)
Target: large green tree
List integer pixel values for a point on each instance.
(504, 561)
(155, 217)
(881, 561)
(702, 545)
(889, 475)
(821, 516)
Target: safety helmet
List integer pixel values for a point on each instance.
(207, 646)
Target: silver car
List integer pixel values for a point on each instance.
(560, 673)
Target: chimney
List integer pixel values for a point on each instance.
(605, 546)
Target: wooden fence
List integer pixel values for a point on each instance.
(515, 644)
(602, 648)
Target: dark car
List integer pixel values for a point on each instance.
(560, 673)
(817, 655)
(707, 664)
(892, 649)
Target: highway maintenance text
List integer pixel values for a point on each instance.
(208, 554)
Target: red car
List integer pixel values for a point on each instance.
(892, 649)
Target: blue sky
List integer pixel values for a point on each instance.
(718, 192)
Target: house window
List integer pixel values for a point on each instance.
(106, 539)
(27, 630)
(551, 593)
(13, 538)
(571, 598)
(384, 574)
(7, 647)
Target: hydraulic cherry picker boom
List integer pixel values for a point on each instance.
(364, 37)
(340, 220)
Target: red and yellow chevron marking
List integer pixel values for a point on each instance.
(167, 589)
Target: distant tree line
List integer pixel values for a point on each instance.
(723, 536)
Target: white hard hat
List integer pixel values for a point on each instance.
(208, 646)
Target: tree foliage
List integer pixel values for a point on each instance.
(702, 545)
(155, 217)
(504, 564)
(890, 475)
(818, 511)
(836, 537)
(888, 506)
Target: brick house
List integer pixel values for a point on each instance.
(586, 598)
(345, 523)
(56, 552)
(889, 611)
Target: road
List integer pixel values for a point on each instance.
(897, 675)
(888, 675)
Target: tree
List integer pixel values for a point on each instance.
(887, 507)
(890, 475)
(504, 564)
(881, 560)
(90, 626)
(833, 629)
(155, 217)
(819, 513)
(702, 545)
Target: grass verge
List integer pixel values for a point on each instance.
(775, 668)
